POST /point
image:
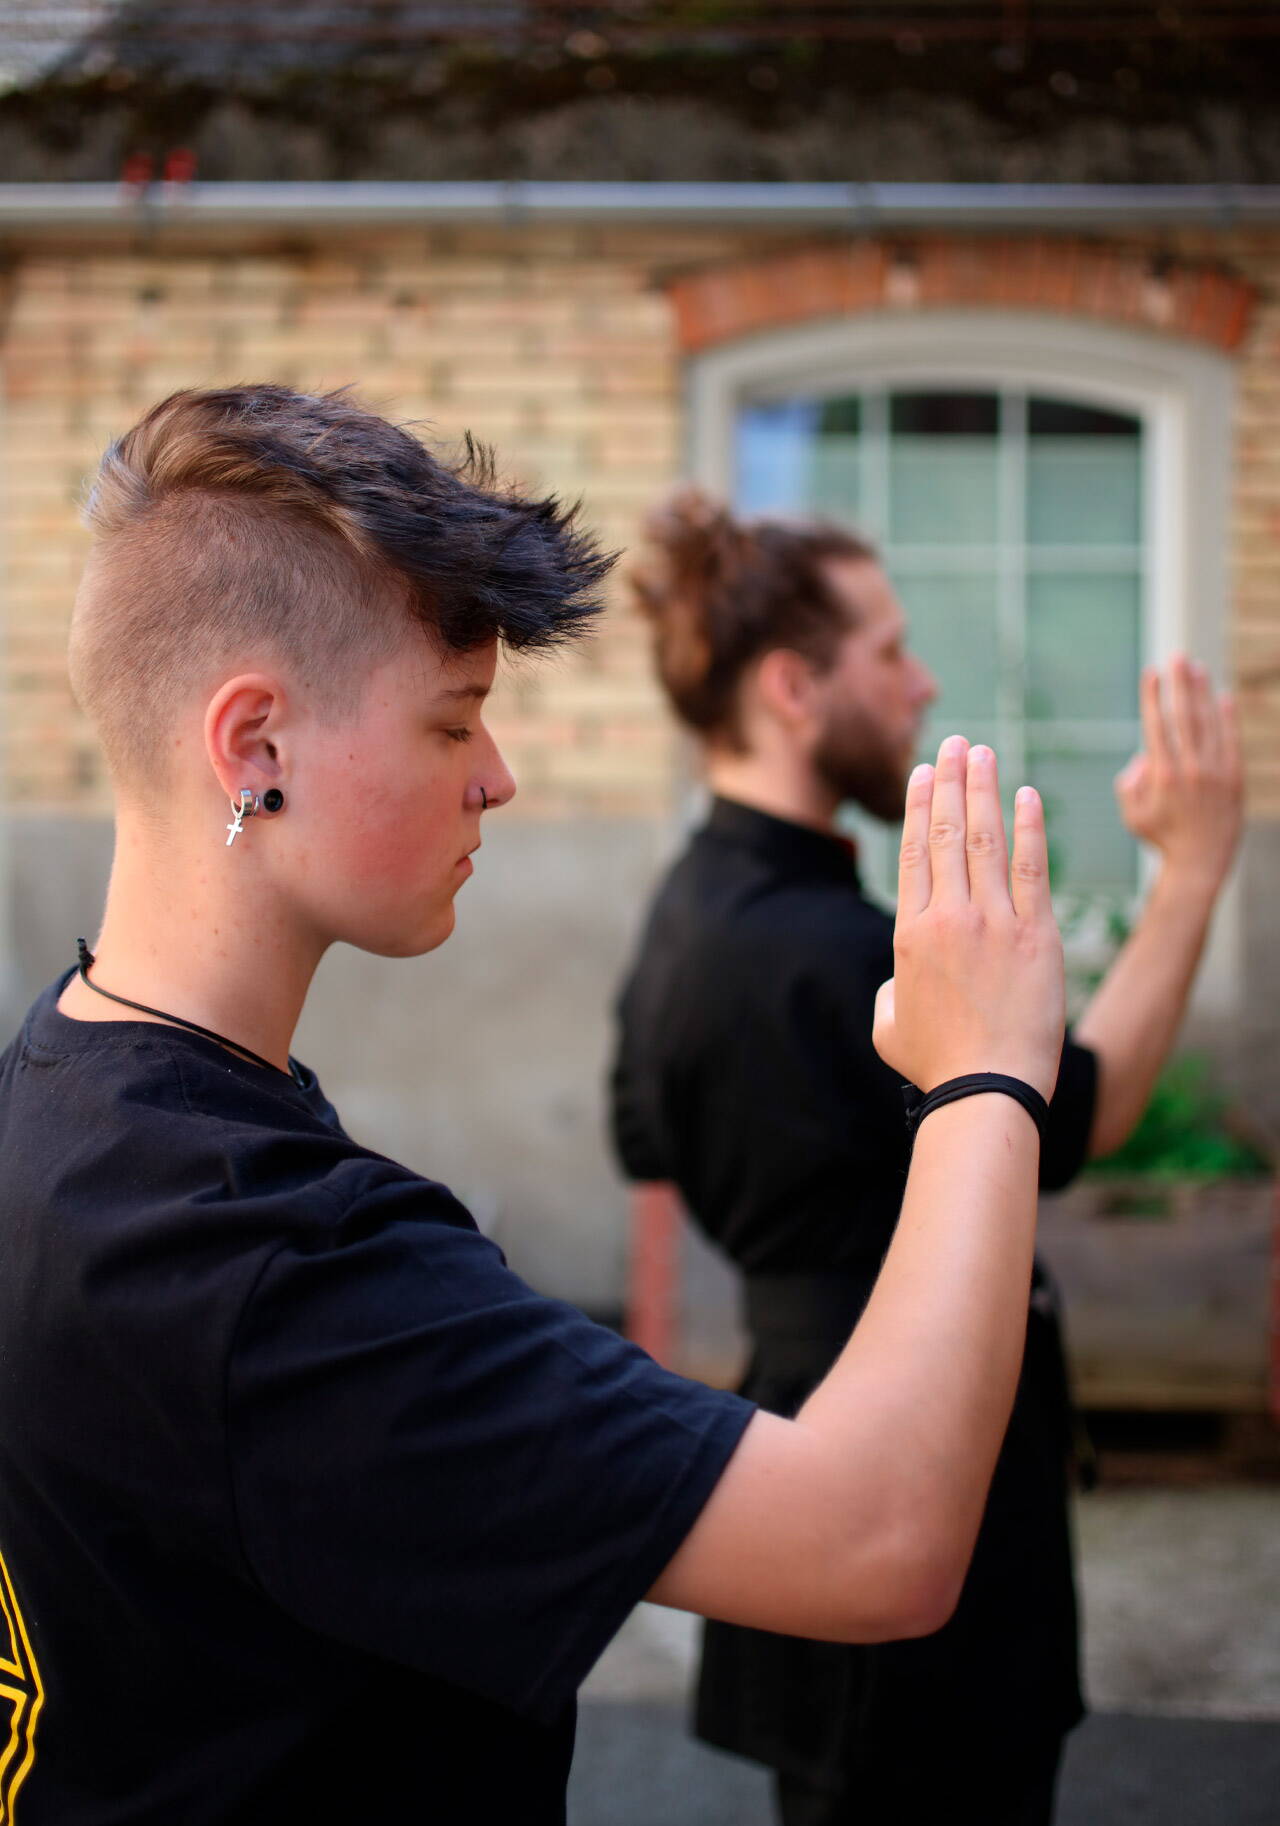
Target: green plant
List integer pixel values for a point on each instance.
(1186, 1131)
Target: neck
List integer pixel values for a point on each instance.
(199, 941)
(786, 788)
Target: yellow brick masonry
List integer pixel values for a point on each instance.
(556, 344)
(1255, 520)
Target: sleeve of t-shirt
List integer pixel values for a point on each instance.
(635, 1121)
(1065, 1146)
(441, 1467)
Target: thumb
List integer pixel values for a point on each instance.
(883, 1028)
(1132, 778)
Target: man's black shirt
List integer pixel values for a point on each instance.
(309, 1507)
(746, 1074)
(745, 1069)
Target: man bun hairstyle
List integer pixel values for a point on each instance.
(719, 592)
(301, 526)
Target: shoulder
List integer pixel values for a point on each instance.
(746, 901)
(822, 932)
(122, 1130)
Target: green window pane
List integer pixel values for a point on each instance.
(1083, 475)
(1089, 848)
(835, 478)
(942, 492)
(1083, 645)
(953, 627)
(943, 482)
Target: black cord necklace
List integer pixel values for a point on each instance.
(206, 1033)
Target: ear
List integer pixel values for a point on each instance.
(787, 686)
(243, 729)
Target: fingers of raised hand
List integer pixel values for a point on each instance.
(914, 873)
(947, 861)
(985, 848)
(1132, 775)
(1030, 870)
(1208, 718)
(1185, 708)
(1232, 760)
(1133, 788)
(1155, 736)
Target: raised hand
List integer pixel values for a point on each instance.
(1184, 792)
(978, 977)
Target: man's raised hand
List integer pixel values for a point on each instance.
(978, 977)
(1184, 793)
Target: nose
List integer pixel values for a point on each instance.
(927, 684)
(496, 780)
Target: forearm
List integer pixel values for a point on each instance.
(1133, 1019)
(855, 1521)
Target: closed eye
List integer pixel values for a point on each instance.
(458, 735)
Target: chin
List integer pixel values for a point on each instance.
(427, 937)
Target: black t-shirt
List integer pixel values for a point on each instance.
(309, 1507)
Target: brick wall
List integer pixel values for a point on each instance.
(563, 347)
(1255, 529)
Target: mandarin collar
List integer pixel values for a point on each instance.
(796, 849)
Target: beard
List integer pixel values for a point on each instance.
(853, 758)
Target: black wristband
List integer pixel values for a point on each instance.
(920, 1103)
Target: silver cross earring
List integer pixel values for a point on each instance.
(245, 808)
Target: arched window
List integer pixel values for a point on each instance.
(1050, 497)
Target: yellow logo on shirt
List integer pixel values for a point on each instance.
(22, 1690)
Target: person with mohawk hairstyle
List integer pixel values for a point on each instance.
(309, 1507)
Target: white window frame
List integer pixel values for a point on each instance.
(1182, 394)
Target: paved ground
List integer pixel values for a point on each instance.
(636, 1767)
(1182, 1607)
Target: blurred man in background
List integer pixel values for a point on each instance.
(746, 1074)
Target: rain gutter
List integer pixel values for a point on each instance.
(54, 209)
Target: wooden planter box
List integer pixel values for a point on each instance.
(1167, 1290)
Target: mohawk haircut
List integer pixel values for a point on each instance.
(300, 527)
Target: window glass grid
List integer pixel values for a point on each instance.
(1000, 581)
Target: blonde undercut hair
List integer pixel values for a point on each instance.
(254, 524)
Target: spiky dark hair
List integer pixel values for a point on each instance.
(482, 561)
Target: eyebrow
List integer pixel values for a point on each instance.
(476, 692)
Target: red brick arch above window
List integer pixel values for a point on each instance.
(1076, 278)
